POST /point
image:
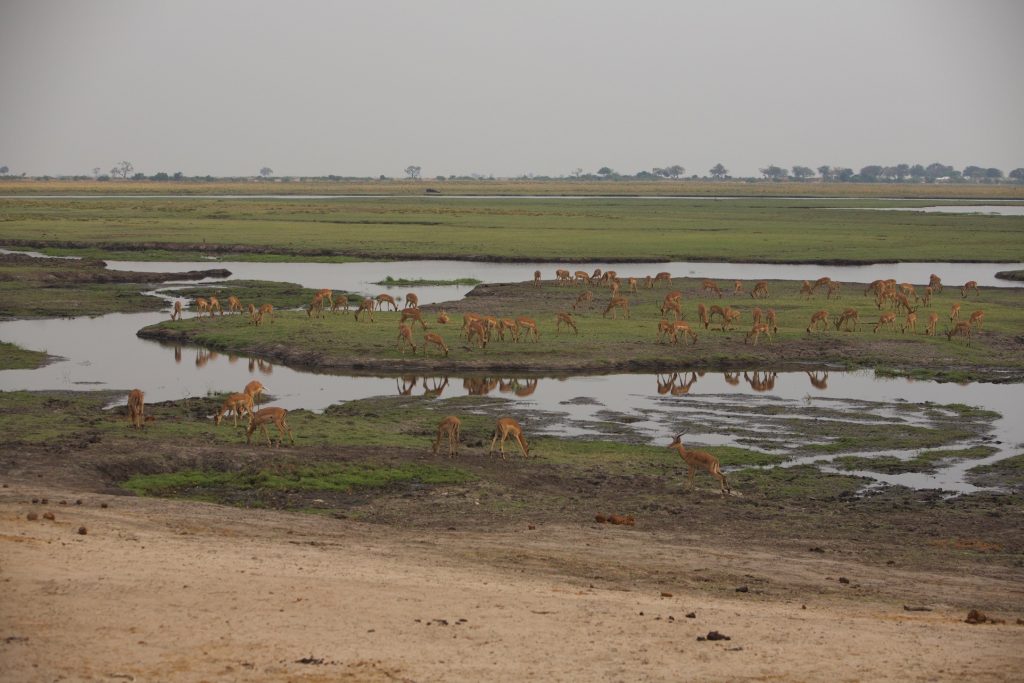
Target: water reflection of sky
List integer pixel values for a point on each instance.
(360, 277)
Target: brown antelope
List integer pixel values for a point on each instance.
(710, 287)
(414, 314)
(596, 275)
(756, 315)
(672, 304)
(340, 302)
(761, 381)
(176, 313)
(202, 306)
(528, 326)
(326, 293)
(819, 318)
(505, 428)
(261, 418)
(874, 288)
(969, 286)
(536, 278)
(450, 427)
(411, 301)
(911, 322)
(699, 460)
(935, 282)
(586, 297)
(405, 338)
(215, 306)
(760, 290)
(254, 389)
(818, 381)
(820, 282)
(886, 320)
(136, 408)
(681, 327)
(902, 302)
(926, 296)
(315, 309)
(234, 304)
(962, 329)
(806, 290)
(442, 317)
(977, 319)
(954, 312)
(614, 305)
(479, 330)
(933, 320)
(468, 319)
(771, 320)
(435, 339)
(849, 318)
(237, 404)
(563, 276)
(366, 306)
(508, 325)
(664, 330)
(267, 310)
(386, 300)
(608, 276)
(663, 276)
(729, 316)
(564, 318)
(581, 277)
(614, 287)
(756, 331)
(648, 282)
(731, 378)
(253, 314)
(702, 313)
(833, 289)
(737, 288)
(908, 290)
(632, 282)
(682, 388)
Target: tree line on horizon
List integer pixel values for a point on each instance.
(900, 173)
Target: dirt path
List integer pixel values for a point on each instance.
(167, 590)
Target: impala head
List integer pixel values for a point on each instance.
(678, 440)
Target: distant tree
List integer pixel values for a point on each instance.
(718, 171)
(4, 170)
(646, 175)
(161, 176)
(901, 171)
(139, 176)
(266, 172)
(675, 171)
(122, 170)
(843, 175)
(178, 175)
(802, 172)
(871, 174)
(826, 173)
(917, 172)
(974, 172)
(1017, 174)
(993, 174)
(576, 172)
(96, 172)
(935, 171)
(774, 172)
(413, 172)
(605, 172)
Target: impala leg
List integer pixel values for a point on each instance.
(519, 440)
(494, 440)
(690, 473)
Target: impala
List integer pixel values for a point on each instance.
(710, 287)
(255, 389)
(962, 329)
(411, 301)
(699, 460)
(935, 282)
(215, 306)
(565, 318)
(261, 418)
(536, 278)
(508, 325)
(760, 290)
(237, 404)
(848, 318)
(234, 304)
(886, 320)
(819, 318)
(405, 338)
(136, 408)
(366, 306)
(563, 276)
(933, 320)
(756, 331)
(442, 317)
(954, 312)
(614, 305)
(977, 318)
(505, 428)
(969, 286)
(911, 322)
(414, 314)
(435, 339)
(448, 427)
(528, 326)
(176, 313)
(340, 301)
(586, 297)
(386, 300)
(665, 277)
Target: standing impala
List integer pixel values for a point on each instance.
(699, 460)
(505, 428)
(449, 427)
(261, 418)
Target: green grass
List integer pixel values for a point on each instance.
(313, 477)
(606, 228)
(13, 357)
(420, 282)
(926, 461)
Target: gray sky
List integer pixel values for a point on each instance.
(506, 88)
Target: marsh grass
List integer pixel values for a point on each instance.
(13, 357)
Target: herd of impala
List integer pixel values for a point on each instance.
(478, 330)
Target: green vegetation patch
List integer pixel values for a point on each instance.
(1004, 473)
(926, 461)
(421, 282)
(801, 481)
(314, 477)
(13, 357)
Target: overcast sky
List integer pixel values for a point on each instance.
(507, 88)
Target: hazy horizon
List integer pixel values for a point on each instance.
(368, 88)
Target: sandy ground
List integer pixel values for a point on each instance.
(164, 590)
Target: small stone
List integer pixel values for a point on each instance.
(743, 589)
(666, 595)
(82, 531)
(49, 516)
(531, 527)
(103, 505)
(78, 502)
(63, 502)
(843, 579)
(35, 500)
(691, 615)
(32, 516)
(45, 501)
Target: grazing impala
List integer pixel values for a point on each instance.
(215, 306)
(261, 418)
(848, 318)
(681, 327)
(340, 301)
(435, 339)
(699, 460)
(962, 329)
(710, 287)
(508, 325)
(136, 408)
(176, 313)
(479, 330)
(977, 318)
(564, 277)
(267, 310)
(926, 295)
(911, 322)
(760, 290)
(935, 282)
(405, 338)
(234, 305)
(586, 297)
(316, 307)
(581, 277)
(756, 331)
(819, 318)
(505, 428)
(614, 305)
(202, 306)
(565, 318)
(933, 320)
(632, 282)
(237, 404)
(671, 303)
(366, 306)
(414, 314)
(326, 293)
(527, 327)
(771, 320)
(411, 301)
(969, 286)
(665, 277)
(702, 313)
(737, 288)
(386, 300)
(255, 389)
(954, 312)
(448, 427)
(886, 320)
